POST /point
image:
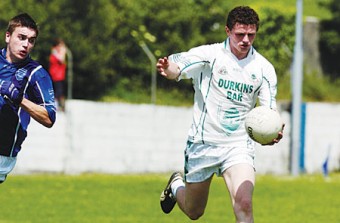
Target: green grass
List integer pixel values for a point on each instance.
(135, 198)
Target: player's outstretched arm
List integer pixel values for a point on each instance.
(37, 112)
(167, 68)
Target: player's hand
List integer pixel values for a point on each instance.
(10, 92)
(162, 65)
(167, 68)
(279, 137)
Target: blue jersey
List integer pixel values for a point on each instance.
(35, 83)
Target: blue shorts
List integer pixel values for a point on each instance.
(202, 161)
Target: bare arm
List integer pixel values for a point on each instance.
(37, 112)
(167, 68)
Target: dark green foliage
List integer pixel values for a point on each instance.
(177, 25)
(105, 36)
(330, 40)
(275, 39)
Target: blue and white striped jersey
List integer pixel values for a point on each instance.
(226, 89)
(37, 87)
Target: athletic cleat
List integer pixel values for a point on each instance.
(167, 199)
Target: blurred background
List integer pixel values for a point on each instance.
(109, 40)
(113, 85)
(128, 126)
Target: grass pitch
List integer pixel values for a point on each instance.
(135, 198)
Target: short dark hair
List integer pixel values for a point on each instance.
(22, 20)
(243, 15)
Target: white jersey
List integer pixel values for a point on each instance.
(226, 89)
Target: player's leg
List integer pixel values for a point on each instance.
(6, 166)
(192, 199)
(58, 93)
(168, 195)
(2, 178)
(240, 180)
(201, 163)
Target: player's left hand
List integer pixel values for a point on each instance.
(279, 137)
(10, 92)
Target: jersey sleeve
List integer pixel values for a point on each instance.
(192, 62)
(41, 92)
(268, 89)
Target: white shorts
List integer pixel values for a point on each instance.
(202, 161)
(6, 166)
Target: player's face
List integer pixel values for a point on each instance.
(20, 43)
(241, 38)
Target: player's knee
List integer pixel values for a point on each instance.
(195, 214)
(244, 206)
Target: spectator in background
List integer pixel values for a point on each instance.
(57, 71)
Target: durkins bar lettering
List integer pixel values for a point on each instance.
(235, 89)
(235, 86)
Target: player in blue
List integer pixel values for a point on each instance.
(25, 90)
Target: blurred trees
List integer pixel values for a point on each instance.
(330, 40)
(275, 39)
(104, 37)
(88, 28)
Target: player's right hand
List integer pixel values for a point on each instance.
(10, 92)
(162, 65)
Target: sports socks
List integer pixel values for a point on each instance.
(175, 185)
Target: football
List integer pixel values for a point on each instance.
(263, 124)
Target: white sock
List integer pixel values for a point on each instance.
(175, 185)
